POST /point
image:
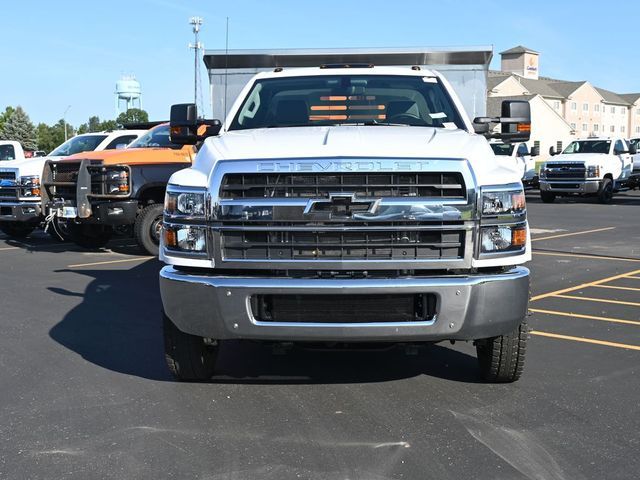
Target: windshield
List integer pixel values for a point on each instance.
(347, 99)
(7, 152)
(82, 143)
(502, 149)
(635, 142)
(588, 146)
(157, 137)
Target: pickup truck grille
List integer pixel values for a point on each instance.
(7, 176)
(8, 193)
(563, 171)
(447, 185)
(64, 176)
(357, 242)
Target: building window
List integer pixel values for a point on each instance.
(623, 110)
(596, 107)
(637, 129)
(613, 109)
(585, 127)
(585, 107)
(613, 129)
(596, 127)
(573, 126)
(638, 111)
(574, 106)
(622, 129)
(556, 105)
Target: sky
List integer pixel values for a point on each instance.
(70, 53)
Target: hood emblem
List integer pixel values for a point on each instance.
(340, 206)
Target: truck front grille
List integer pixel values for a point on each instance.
(446, 185)
(7, 176)
(391, 308)
(64, 176)
(564, 171)
(370, 242)
(9, 192)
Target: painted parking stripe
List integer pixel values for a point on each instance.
(587, 317)
(585, 340)
(9, 248)
(634, 277)
(137, 259)
(599, 300)
(571, 234)
(615, 287)
(584, 285)
(587, 256)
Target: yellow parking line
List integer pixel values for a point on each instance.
(571, 234)
(615, 287)
(137, 259)
(585, 340)
(590, 257)
(631, 276)
(587, 317)
(584, 285)
(603, 300)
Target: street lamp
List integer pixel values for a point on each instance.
(64, 120)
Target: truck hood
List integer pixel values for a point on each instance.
(586, 158)
(357, 141)
(24, 167)
(133, 156)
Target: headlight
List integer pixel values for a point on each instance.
(503, 238)
(190, 204)
(30, 186)
(503, 202)
(593, 171)
(184, 238)
(117, 181)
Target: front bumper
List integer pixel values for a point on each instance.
(581, 187)
(468, 307)
(112, 213)
(20, 212)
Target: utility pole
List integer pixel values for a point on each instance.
(196, 22)
(64, 120)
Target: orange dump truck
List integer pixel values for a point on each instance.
(89, 194)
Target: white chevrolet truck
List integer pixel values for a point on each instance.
(342, 204)
(589, 167)
(20, 209)
(521, 156)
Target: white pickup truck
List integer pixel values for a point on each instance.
(20, 209)
(522, 157)
(346, 203)
(593, 166)
(635, 143)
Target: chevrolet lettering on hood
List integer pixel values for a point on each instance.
(344, 166)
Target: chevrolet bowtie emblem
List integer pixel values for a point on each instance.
(340, 206)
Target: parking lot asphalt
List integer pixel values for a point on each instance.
(85, 393)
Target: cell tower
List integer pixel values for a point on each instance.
(128, 90)
(197, 46)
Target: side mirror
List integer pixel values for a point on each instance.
(481, 128)
(515, 120)
(633, 149)
(535, 151)
(552, 151)
(183, 124)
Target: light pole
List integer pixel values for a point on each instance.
(64, 120)
(196, 23)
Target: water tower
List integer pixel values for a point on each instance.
(128, 91)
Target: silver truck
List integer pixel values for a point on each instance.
(346, 203)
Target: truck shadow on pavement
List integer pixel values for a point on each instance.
(118, 326)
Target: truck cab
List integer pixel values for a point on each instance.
(598, 166)
(20, 209)
(346, 203)
(522, 157)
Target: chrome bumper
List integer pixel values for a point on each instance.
(20, 211)
(581, 186)
(468, 307)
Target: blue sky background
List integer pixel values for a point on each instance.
(72, 52)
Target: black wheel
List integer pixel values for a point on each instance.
(148, 227)
(16, 229)
(189, 357)
(88, 235)
(547, 197)
(605, 195)
(501, 359)
(58, 229)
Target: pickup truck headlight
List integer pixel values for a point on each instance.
(593, 171)
(503, 238)
(185, 238)
(117, 181)
(190, 204)
(503, 202)
(30, 186)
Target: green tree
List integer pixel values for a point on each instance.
(18, 127)
(95, 125)
(4, 116)
(49, 137)
(133, 115)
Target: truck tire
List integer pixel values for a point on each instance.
(147, 228)
(89, 235)
(189, 357)
(58, 229)
(605, 194)
(501, 358)
(547, 197)
(16, 229)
